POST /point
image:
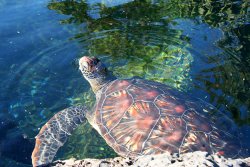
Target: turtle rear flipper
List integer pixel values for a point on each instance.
(55, 133)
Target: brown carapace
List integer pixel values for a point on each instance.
(139, 117)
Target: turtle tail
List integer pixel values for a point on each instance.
(55, 133)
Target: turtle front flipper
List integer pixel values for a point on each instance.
(55, 133)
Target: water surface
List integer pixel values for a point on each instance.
(198, 47)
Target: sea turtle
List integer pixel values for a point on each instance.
(139, 117)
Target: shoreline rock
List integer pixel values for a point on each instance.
(198, 158)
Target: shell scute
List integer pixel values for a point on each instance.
(135, 127)
(129, 136)
(142, 110)
(170, 105)
(144, 93)
(224, 142)
(114, 107)
(195, 122)
(167, 134)
(195, 141)
(117, 85)
(156, 85)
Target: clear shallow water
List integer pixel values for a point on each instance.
(200, 48)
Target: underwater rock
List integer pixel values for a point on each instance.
(197, 158)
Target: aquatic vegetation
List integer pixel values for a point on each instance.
(137, 35)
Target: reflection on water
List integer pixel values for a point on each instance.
(197, 47)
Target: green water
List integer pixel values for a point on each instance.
(199, 47)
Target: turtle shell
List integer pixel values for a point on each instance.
(138, 117)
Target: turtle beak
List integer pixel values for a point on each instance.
(84, 63)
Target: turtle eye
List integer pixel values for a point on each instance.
(95, 61)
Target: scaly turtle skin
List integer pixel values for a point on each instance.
(138, 117)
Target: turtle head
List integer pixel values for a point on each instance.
(94, 71)
(92, 68)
